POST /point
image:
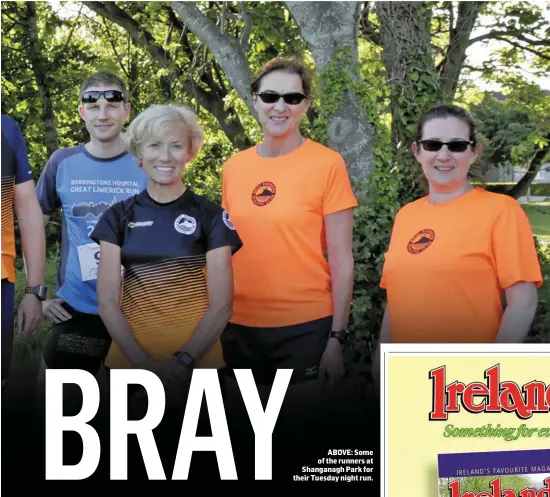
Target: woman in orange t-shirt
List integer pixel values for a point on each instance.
(454, 253)
(291, 201)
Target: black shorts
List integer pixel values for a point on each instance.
(264, 350)
(8, 304)
(79, 343)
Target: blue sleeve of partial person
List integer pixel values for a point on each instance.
(14, 135)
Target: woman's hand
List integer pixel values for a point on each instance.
(175, 379)
(331, 368)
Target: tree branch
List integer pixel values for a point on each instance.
(247, 30)
(69, 38)
(521, 187)
(521, 47)
(497, 35)
(450, 67)
(367, 29)
(113, 46)
(226, 49)
(452, 31)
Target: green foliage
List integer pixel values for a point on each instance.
(25, 349)
(514, 125)
(505, 127)
(204, 174)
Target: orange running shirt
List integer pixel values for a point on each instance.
(15, 170)
(277, 205)
(448, 264)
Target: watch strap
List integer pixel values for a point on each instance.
(184, 358)
(40, 291)
(340, 335)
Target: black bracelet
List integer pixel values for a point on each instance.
(184, 359)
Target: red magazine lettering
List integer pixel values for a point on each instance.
(497, 491)
(493, 395)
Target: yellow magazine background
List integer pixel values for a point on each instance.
(414, 442)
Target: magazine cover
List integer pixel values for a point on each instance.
(455, 401)
(509, 473)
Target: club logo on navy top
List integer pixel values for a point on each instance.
(227, 221)
(185, 224)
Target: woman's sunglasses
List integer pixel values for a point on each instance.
(453, 146)
(293, 98)
(91, 97)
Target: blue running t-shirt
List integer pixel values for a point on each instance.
(84, 187)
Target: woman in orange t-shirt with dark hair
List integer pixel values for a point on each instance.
(455, 252)
(291, 201)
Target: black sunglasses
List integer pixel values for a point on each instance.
(453, 146)
(91, 97)
(293, 98)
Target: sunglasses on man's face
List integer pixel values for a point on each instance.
(91, 97)
(453, 146)
(293, 98)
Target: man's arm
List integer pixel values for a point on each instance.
(33, 240)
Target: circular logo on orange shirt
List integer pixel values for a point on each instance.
(421, 241)
(264, 193)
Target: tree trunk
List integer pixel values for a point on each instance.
(521, 187)
(51, 139)
(328, 27)
(413, 79)
(414, 82)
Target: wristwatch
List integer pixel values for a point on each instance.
(40, 291)
(184, 359)
(340, 335)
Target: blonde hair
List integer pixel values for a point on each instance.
(154, 121)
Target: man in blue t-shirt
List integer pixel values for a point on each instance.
(84, 181)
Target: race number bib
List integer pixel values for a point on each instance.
(88, 256)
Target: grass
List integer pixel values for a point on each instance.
(24, 350)
(539, 215)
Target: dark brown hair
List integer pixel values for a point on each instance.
(103, 78)
(292, 65)
(443, 111)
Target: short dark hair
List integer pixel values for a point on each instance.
(443, 111)
(448, 110)
(103, 78)
(293, 65)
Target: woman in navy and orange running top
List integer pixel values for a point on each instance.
(171, 313)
